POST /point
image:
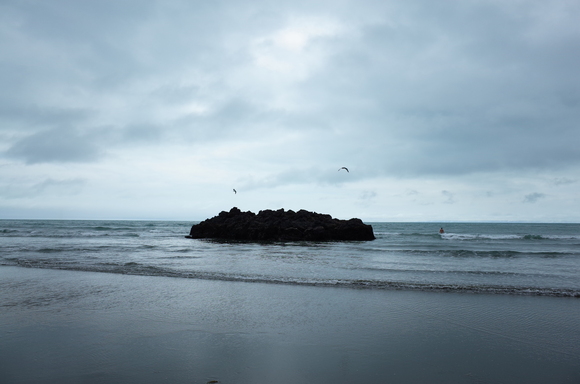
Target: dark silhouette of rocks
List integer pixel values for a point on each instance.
(280, 225)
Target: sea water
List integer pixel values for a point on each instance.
(137, 302)
(500, 258)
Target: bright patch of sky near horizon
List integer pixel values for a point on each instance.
(442, 111)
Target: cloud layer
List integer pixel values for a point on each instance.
(474, 106)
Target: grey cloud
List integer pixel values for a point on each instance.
(61, 187)
(312, 175)
(417, 89)
(176, 93)
(24, 116)
(449, 197)
(534, 197)
(58, 145)
(46, 187)
(368, 195)
(138, 133)
(231, 118)
(238, 119)
(473, 94)
(403, 89)
(564, 181)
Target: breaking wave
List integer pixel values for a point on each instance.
(139, 269)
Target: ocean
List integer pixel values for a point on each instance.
(499, 258)
(137, 302)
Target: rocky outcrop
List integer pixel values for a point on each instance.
(280, 225)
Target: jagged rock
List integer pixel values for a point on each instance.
(280, 225)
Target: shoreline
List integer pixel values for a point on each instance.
(69, 326)
(133, 269)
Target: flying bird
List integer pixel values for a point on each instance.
(345, 168)
(235, 191)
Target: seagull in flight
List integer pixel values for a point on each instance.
(345, 168)
(235, 191)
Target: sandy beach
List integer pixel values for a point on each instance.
(72, 327)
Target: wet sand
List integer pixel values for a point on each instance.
(80, 327)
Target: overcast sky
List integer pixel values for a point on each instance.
(140, 109)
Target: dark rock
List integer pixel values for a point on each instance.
(280, 225)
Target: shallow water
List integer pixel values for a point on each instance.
(71, 327)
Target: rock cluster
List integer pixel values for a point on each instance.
(280, 225)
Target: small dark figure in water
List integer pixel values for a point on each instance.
(441, 230)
